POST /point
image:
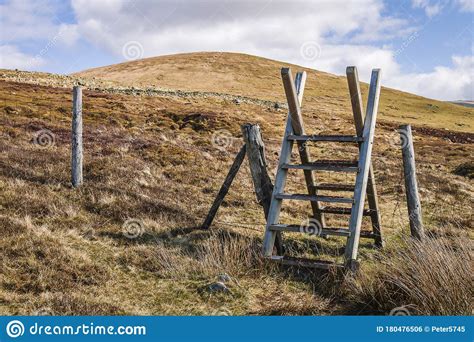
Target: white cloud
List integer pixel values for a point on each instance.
(67, 34)
(447, 83)
(431, 8)
(177, 26)
(25, 19)
(335, 59)
(275, 29)
(12, 58)
(434, 7)
(35, 21)
(466, 5)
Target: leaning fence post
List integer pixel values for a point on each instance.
(76, 137)
(411, 185)
(224, 188)
(258, 168)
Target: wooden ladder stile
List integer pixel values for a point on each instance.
(364, 184)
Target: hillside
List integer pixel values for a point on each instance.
(158, 156)
(232, 73)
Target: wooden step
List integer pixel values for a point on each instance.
(303, 262)
(311, 230)
(328, 138)
(335, 187)
(329, 231)
(341, 211)
(303, 197)
(325, 165)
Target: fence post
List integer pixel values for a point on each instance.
(258, 168)
(76, 137)
(411, 185)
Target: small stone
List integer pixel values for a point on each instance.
(224, 278)
(237, 101)
(276, 105)
(218, 287)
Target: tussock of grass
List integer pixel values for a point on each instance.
(208, 255)
(432, 277)
(232, 253)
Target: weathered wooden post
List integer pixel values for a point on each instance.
(76, 137)
(411, 185)
(224, 188)
(258, 168)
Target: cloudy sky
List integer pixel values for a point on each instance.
(423, 46)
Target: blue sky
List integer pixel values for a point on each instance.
(422, 46)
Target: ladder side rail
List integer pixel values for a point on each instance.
(281, 174)
(357, 110)
(363, 175)
(294, 110)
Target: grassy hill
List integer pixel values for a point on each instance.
(155, 159)
(232, 73)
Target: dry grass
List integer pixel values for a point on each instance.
(152, 159)
(36, 261)
(433, 277)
